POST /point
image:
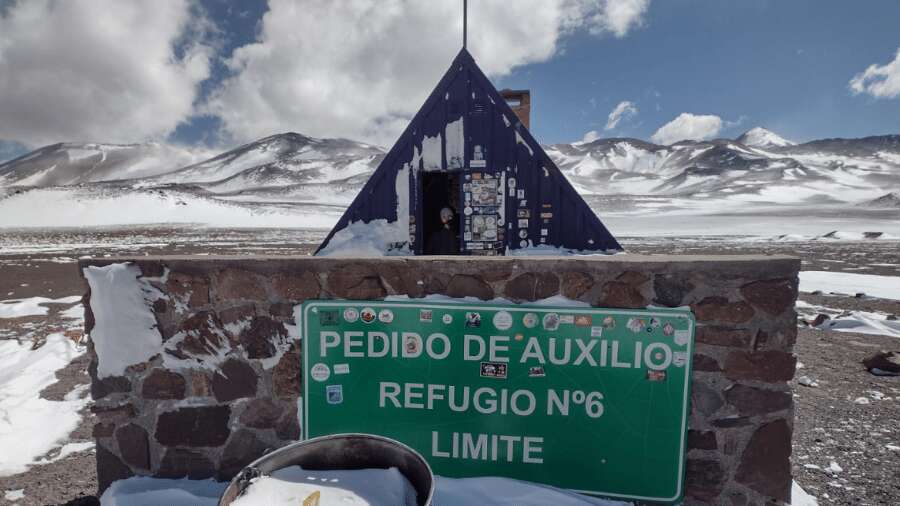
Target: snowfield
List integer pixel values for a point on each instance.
(885, 287)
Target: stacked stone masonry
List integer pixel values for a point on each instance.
(233, 318)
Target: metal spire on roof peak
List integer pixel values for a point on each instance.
(465, 21)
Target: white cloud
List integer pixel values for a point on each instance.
(101, 70)
(361, 68)
(617, 17)
(591, 136)
(880, 81)
(624, 110)
(688, 126)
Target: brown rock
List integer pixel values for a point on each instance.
(633, 278)
(243, 448)
(260, 337)
(705, 363)
(194, 290)
(701, 440)
(772, 296)
(356, 281)
(116, 413)
(152, 268)
(237, 313)
(296, 287)
(671, 289)
(200, 384)
(287, 375)
(765, 464)
(532, 286)
(704, 399)
(719, 309)
(769, 366)
(618, 294)
(236, 284)
(820, 319)
(731, 421)
(282, 309)
(160, 306)
(575, 284)
(288, 428)
(88, 313)
(262, 414)
(884, 363)
(179, 463)
(464, 285)
(109, 469)
(163, 384)
(724, 336)
(704, 479)
(134, 445)
(100, 388)
(199, 426)
(203, 334)
(235, 379)
(435, 282)
(756, 401)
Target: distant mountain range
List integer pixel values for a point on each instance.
(758, 168)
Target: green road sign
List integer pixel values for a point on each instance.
(594, 400)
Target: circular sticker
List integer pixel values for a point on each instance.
(523, 244)
(551, 321)
(351, 314)
(523, 233)
(530, 320)
(320, 372)
(503, 320)
(467, 211)
(386, 316)
(447, 318)
(367, 315)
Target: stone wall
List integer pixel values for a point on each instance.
(225, 387)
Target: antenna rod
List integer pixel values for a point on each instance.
(465, 21)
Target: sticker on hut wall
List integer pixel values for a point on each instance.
(546, 215)
(477, 163)
(536, 371)
(520, 194)
(476, 175)
(523, 223)
(334, 394)
(523, 213)
(523, 203)
(493, 370)
(544, 231)
(511, 182)
(523, 244)
(523, 233)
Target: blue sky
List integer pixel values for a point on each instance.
(233, 72)
(784, 65)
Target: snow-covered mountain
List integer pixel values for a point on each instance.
(303, 176)
(761, 138)
(77, 163)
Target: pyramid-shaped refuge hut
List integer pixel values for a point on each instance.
(467, 151)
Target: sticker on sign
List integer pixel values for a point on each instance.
(590, 399)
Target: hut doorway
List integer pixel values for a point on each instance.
(440, 190)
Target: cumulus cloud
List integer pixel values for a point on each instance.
(99, 69)
(361, 68)
(624, 110)
(880, 81)
(688, 126)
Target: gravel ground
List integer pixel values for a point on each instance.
(830, 425)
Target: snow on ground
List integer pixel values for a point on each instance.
(76, 207)
(884, 287)
(14, 495)
(25, 435)
(488, 491)
(33, 306)
(860, 322)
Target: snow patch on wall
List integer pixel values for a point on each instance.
(431, 153)
(125, 331)
(456, 151)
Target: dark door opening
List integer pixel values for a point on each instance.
(440, 190)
